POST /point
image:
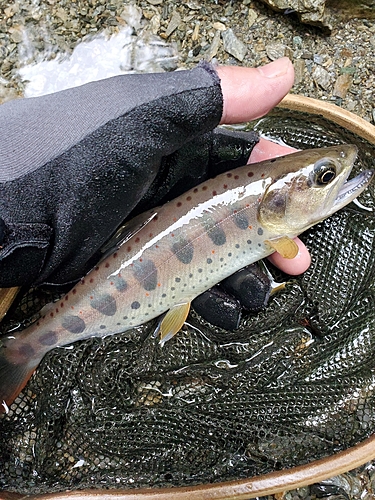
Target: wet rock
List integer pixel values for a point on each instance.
(251, 17)
(233, 45)
(299, 70)
(195, 34)
(321, 77)
(16, 34)
(214, 47)
(342, 85)
(219, 26)
(275, 51)
(309, 11)
(155, 24)
(193, 5)
(174, 23)
(132, 16)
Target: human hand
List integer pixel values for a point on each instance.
(248, 94)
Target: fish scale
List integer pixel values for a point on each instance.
(183, 248)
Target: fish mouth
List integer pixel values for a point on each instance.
(352, 188)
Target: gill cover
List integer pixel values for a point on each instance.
(298, 199)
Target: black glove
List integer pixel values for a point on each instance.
(222, 305)
(76, 164)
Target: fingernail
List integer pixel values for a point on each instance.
(275, 68)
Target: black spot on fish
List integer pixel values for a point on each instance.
(183, 250)
(105, 304)
(102, 327)
(146, 274)
(74, 324)
(241, 221)
(217, 236)
(209, 261)
(120, 283)
(48, 338)
(177, 280)
(135, 305)
(260, 231)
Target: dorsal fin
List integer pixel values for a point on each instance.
(125, 232)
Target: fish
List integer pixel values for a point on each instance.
(175, 252)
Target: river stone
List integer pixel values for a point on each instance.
(275, 50)
(309, 11)
(342, 85)
(173, 23)
(233, 45)
(214, 47)
(321, 77)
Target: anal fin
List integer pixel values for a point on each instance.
(173, 322)
(285, 246)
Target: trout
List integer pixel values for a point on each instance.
(179, 250)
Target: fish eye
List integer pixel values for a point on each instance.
(324, 171)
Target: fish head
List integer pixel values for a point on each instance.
(308, 186)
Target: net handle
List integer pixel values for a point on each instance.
(244, 489)
(331, 112)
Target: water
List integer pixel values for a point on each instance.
(96, 57)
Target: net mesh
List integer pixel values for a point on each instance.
(294, 383)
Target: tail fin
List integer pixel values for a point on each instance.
(14, 373)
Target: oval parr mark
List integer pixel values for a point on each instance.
(120, 284)
(48, 338)
(241, 220)
(73, 324)
(183, 250)
(105, 304)
(217, 236)
(146, 274)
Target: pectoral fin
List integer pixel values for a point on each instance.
(173, 322)
(285, 246)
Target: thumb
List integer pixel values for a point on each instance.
(249, 93)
